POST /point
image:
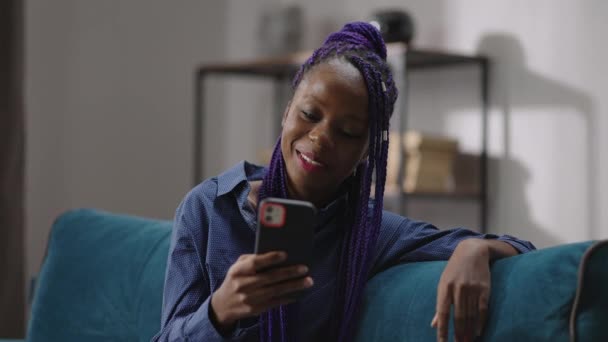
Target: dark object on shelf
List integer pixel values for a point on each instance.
(281, 30)
(395, 25)
(282, 69)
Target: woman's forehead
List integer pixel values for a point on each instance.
(343, 69)
(335, 82)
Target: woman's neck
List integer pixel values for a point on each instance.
(252, 197)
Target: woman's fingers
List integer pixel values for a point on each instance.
(262, 299)
(472, 316)
(470, 311)
(434, 321)
(444, 302)
(468, 316)
(482, 307)
(466, 281)
(278, 275)
(281, 274)
(249, 264)
(460, 313)
(279, 290)
(246, 291)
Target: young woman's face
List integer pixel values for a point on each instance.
(325, 131)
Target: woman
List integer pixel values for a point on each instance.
(334, 141)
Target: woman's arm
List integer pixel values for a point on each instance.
(404, 240)
(195, 310)
(186, 297)
(465, 282)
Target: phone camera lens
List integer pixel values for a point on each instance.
(269, 209)
(268, 218)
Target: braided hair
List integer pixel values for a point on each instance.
(361, 45)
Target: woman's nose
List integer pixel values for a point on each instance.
(321, 135)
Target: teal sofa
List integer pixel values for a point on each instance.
(103, 274)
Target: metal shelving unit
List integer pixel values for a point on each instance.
(282, 69)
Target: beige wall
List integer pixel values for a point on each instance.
(109, 106)
(549, 109)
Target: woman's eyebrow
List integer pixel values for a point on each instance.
(315, 99)
(317, 103)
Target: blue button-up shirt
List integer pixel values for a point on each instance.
(215, 224)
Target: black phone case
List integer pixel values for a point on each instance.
(294, 235)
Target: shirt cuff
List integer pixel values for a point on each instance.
(200, 327)
(520, 245)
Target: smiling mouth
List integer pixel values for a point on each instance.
(309, 163)
(313, 162)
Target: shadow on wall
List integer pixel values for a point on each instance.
(510, 84)
(508, 180)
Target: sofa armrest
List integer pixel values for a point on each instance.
(532, 298)
(104, 274)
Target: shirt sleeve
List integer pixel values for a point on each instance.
(187, 295)
(404, 240)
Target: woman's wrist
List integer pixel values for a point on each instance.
(477, 247)
(492, 249)
(223, 324)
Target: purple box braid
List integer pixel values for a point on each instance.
(361, 45)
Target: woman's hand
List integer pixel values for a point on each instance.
(247, 292)
(465, 283)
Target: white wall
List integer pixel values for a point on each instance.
(246, 125)
(109, 105)
(548, 120)
(549, 112)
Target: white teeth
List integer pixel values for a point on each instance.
(310, 160)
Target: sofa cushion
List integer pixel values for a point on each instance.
(101, 280)
(531, 299)
(103, 275)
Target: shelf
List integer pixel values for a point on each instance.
(283, 68)
(287, 65)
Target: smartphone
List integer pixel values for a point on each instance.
(286, 225)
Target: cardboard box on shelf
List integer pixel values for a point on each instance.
(429, 163)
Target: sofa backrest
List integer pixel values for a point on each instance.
(533, 298)
(101, 280)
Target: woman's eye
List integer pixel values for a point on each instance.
(308, 115)
(349, 134)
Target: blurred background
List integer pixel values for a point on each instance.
(98, 101)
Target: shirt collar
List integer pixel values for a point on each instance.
(236, 175)
(244, 171)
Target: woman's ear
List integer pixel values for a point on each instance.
(285, 113)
